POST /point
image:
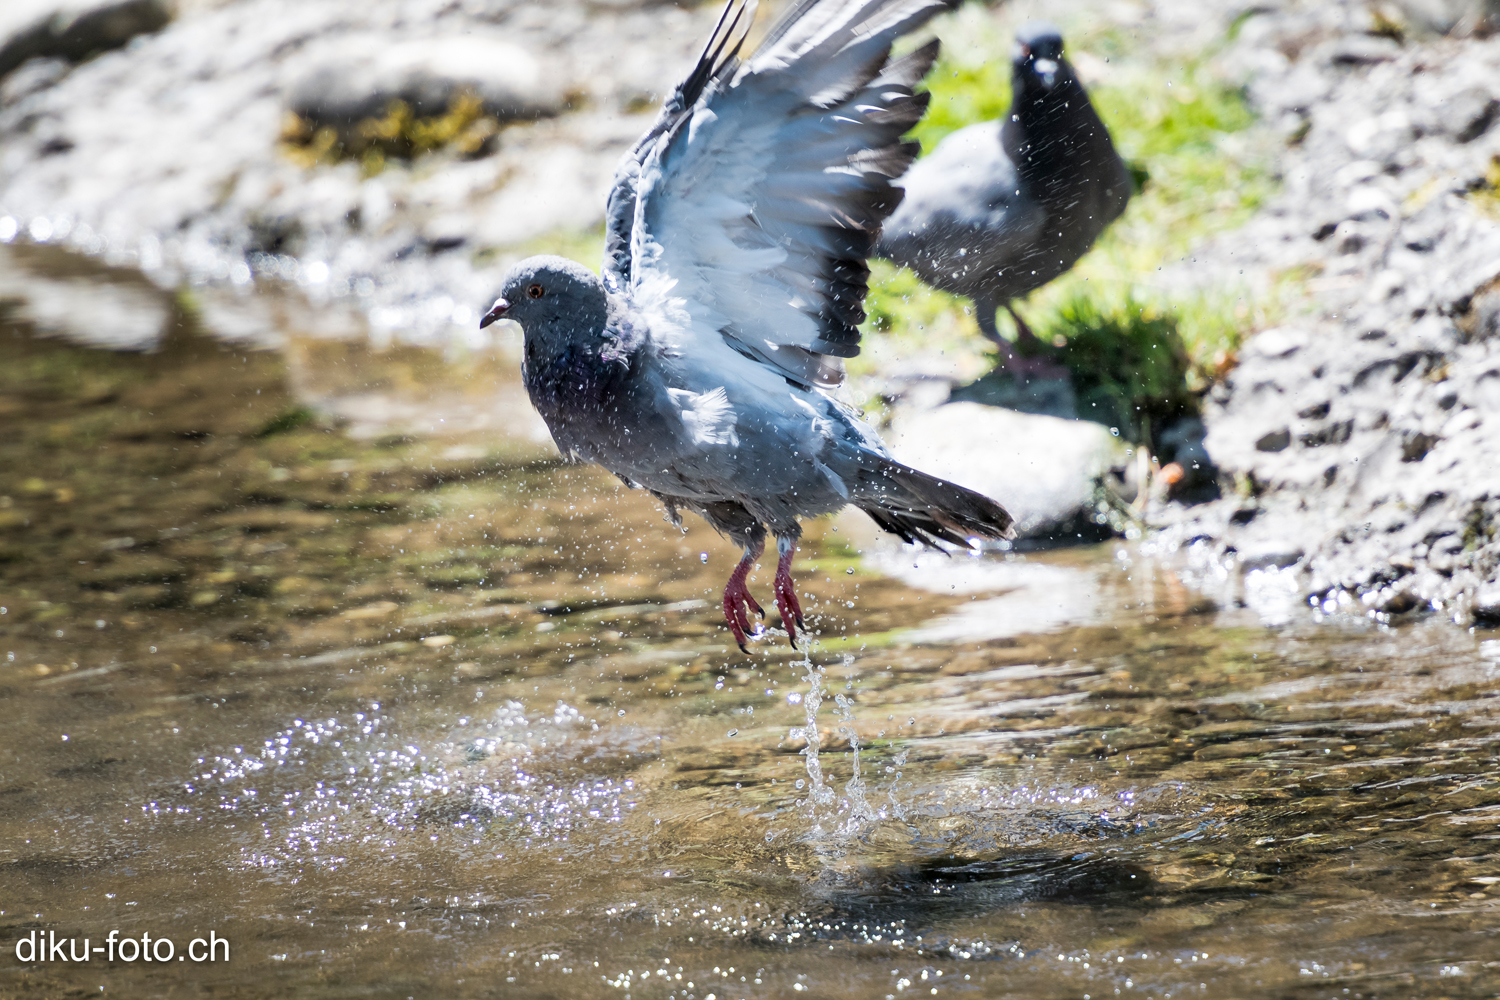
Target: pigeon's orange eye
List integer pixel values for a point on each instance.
(535, 291)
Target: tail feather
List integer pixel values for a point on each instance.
(920, 508)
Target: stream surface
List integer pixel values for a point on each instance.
(417, 711)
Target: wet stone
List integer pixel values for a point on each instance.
(73, 29)
(1384, 371)
(1018, 458)
(357, 77)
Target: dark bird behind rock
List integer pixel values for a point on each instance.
(698, 366)
(1001, 208)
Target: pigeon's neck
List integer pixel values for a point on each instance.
(1050, 134)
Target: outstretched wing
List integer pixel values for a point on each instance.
(758, 197)
(719, 56)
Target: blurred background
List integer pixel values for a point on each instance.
(307, 635)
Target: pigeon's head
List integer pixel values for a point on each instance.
(1037, 60)
(555, 300)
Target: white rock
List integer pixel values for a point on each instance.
(1044, 470)
(357, 76)
(90, 311)
(1277, 342)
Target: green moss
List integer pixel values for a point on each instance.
(828, 645)
(1129, 365)
(398, 134)
(1486, 197)
(292, 419)
(900, 302)
(963, 93)
(584, 246)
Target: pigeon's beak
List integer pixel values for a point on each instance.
(1046, 71)
(497, 311)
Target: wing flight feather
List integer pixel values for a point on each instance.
(745, 216)
(720, 55)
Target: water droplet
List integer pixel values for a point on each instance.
(849, 571)
(703, 557)
(621, 713)
(733, 732)
(800, 783)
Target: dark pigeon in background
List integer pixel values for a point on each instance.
(1001, 208)
(734, 281)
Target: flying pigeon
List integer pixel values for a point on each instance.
(1001, 208)
(700, 365)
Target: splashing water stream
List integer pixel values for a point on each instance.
(819, 793)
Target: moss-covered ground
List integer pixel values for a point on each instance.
(399, 134)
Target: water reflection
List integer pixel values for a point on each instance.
(1034, 596)
(412, 713)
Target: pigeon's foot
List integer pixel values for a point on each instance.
(737, 598)
(786, 591)
(1021, 369)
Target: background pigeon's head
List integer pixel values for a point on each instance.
(1037, 59)
(556, 301)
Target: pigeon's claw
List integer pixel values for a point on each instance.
(737, 600)
(1041, 367)
(786, 593)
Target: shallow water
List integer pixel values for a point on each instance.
(413, 711)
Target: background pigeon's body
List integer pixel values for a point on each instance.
(1001, 208)
(734, 280)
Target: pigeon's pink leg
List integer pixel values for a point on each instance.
(786, 590)
(737, 596)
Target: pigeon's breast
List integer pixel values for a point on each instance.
(579, 394)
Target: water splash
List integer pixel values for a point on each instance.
(860, 810)
(819, 793)
(853, 811)
(895, 769)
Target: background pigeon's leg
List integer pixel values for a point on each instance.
(786, 590)
(984, 312)
(1040, 367)
(1023, 332)
(737, 594)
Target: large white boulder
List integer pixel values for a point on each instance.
(1047, 471)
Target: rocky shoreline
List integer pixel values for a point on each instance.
(1355, 442)
(1358, 442)
(176, 152)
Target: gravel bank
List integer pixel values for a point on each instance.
(1360, 440)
